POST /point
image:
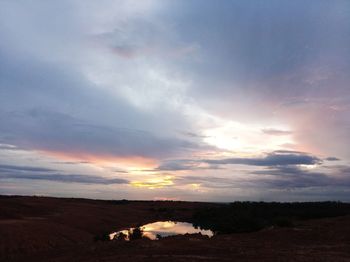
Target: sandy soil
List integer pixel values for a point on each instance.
(57, 229)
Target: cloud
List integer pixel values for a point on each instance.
(24, 168)
(185, 164)
(332, 158)
(212, 182)
(276, 132)
(138, 38)
(50, 101)
(275, 178)
(44, 130)
(191, 134)
(277, 158)
(296, 177)
(164, 180)
(40, 173)
(145, 80)
(62, 111)
(176, 165)
(280, 178)
(65, 178)
(261, 73)
(8, 147)
(71, 162)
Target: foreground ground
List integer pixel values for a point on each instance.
(54, 229)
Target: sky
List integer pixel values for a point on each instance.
(193, 100)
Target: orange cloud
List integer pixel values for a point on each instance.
(132, 162)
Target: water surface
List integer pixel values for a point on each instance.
(160, 229)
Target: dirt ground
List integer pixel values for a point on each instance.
(58, 229)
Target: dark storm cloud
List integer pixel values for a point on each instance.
(275, 158)
(278, 177)
(295, 177)
(272, 159)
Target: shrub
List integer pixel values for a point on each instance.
(136, 233)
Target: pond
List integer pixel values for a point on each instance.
(160, 229)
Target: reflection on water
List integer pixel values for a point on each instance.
(160, 229)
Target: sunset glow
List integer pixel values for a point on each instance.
(188, 100)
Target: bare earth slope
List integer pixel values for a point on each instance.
(58, 229)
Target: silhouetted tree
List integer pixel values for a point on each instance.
(120, 236)
(251, 216)
(102, 237)
(136, 233)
